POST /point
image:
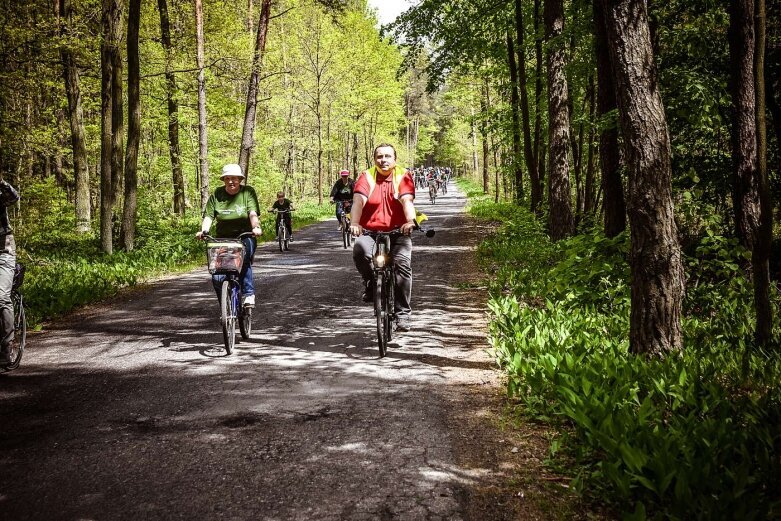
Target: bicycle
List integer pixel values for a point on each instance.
(432, 192)
(383, 283)
(16, 348)
(344, 223)
(226, 257)
(443, 186)
(282, 236)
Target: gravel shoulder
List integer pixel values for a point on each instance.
(130, 409)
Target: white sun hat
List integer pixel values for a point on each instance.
(231, 170)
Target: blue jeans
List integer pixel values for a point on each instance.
(245, 276)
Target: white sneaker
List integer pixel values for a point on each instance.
(249, 301)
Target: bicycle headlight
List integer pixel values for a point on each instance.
(379, 261)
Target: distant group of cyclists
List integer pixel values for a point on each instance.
(380, 199)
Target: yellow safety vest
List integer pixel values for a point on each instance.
(398, 175)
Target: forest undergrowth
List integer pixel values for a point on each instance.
(696, 435)
(65, 270)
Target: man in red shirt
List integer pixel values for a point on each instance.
(383, 200)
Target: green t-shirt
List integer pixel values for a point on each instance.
(232, 211)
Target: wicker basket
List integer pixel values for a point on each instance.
(225, 256)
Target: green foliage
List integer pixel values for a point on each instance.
(691, 436)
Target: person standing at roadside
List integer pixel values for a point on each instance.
(384, 201)
(8, 196)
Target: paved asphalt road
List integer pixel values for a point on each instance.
(131, 410)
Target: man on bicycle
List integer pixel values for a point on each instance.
(235, 208)
(283, 207)
(8, 196)
(342, 194)
(384, 201)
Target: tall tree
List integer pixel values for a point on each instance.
(745, 194)
(760, 258)
(531, 162)
(612, 186)
(248, 133)
(560, 219)
(656, 264)
(516, 126)
(484, 107)
(203, 158)
(173, 110)
(70, 74)
(111, 16)
(133, 126)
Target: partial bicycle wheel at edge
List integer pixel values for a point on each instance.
(281, 233)
(380, 314)
(227, 317)
(245, 323)
(388, 304)
(16, 349)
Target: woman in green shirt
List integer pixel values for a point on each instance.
(235, 209)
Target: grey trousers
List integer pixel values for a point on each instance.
(7, 265)
(401, 253)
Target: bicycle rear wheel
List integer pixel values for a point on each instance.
(16, 349)
(379, 312)
(245, 322)
(228, 316)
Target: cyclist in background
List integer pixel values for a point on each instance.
(8, 196)
(342, 195)
(286, 206)
(235, 209)
(384, 201)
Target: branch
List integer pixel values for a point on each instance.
(196, 69)
(280, 14)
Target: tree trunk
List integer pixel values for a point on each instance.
(514, 103)
(760, 258)
(173, 111)
(612, 186)
(203, 158)
(484, 134)
(539, 148)
(248, 134)
(133, 126)
(560, 221)
(589, 196)
(70, 75)
(117, 113)
(656, 264)
(531, 162)
(745, 195)
(109, 20)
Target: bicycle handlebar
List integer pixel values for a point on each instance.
(430, 232)
(207, 237)
(282, 211)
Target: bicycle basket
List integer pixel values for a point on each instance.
(225, 256)
(18, 275)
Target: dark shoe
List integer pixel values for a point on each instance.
(368, 292)
(5, 357)
(403, 323)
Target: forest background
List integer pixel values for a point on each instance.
(632, 299)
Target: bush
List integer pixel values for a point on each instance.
(692, 436)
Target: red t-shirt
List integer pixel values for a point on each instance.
(383, 212)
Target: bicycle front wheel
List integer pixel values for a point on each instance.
(281, 232)
(379, 311)
(16, 349)
(228, 316)
(389, 304)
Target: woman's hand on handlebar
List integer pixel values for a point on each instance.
(200, 235)
(257, 231)
(356, 229)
